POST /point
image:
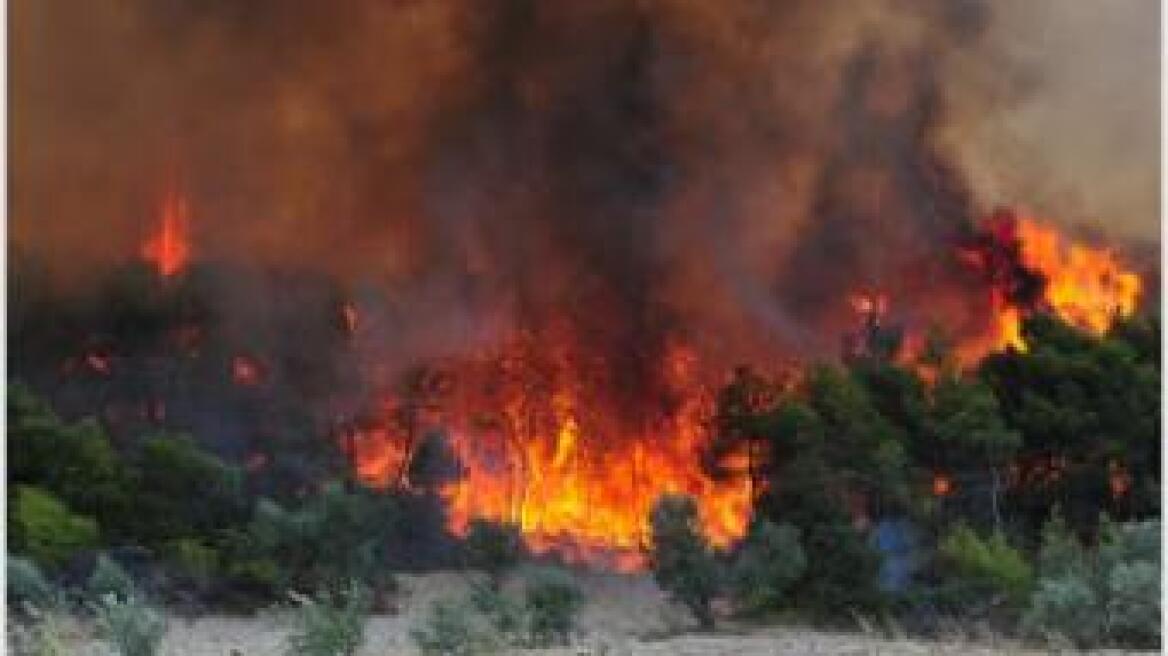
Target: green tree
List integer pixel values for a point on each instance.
(767, 565)
(1088, 411)
(683, 563)
(966, 430)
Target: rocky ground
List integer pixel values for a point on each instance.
(625, 616)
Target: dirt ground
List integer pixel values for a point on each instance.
(624, 616)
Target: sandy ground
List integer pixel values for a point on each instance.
(624, 616)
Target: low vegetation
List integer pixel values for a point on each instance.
(1025, 491)
(330, 623)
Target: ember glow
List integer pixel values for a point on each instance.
(169, 248)
(245, 371)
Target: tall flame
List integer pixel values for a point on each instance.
(534, 453)
(169, 248)
(1086, 287)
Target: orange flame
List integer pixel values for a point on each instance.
(572, 479)
(1085, 286)
(169, 248)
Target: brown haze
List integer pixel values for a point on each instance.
(711, 161)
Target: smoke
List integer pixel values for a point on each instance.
(1059, 110)
(729, 171)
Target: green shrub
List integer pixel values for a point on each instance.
(1109, 596)
(193, 559)
(505, 615)
(332, 537)
(40, 635)
(493, 547)
(454, 629)
(989, 565)
(110, 579)
(551, 598)
(182, 491)
(1060, 554)
(261, 574)
(49, 532)
(1065, 607)
(130, 626)
(27, 585)
(1127, 542)
(683, 563)
(75, 462)
(769, 562)
(1133, 604)
(331, 624)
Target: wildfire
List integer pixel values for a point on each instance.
(535, 452)
(169, 249)
(1032, 266)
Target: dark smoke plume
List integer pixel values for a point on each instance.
(729, 172)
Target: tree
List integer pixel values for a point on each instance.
(683, 563)
(767, 565)
(1088, 411)
(965, 429)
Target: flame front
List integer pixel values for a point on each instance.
(169, 248)
(534, 453)
(1085, 286)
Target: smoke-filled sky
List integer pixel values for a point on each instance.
(695, 160)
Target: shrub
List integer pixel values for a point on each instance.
(334, 536)
(551, 599)
(1133, 604)
(183, 491)
(1065, 606)
(493, 547)
(504, 613)
(76, 462)
(193, 559)
(453, 629)
(683, 564)
(767, 565)
(110, 578)
(131, 626)
(331, 624)
(1111, 595)
(48, 531)
(991, 566)
(1060, 554)
(41, 635)
(27, 585)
